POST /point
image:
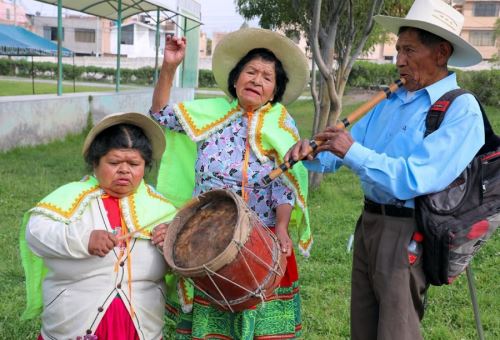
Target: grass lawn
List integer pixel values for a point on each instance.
(28, 174)
(18, 88)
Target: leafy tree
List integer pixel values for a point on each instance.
(496, 38)
(209, 46)
(337, 33)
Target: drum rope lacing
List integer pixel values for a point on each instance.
(259, 291)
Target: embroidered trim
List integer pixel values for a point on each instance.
(68, 213)
(277, 337)
(291, 180)
(282, 124)
(171, 309)
(305, 247)
(125, 210)
(255, 133)
(130, 216)
(74, 212)
(184, 299)
(198, 134)
(153, 193)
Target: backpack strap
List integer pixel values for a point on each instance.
(438, 110)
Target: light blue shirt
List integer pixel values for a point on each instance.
(390, 155)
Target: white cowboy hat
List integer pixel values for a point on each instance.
(237, 44)
(439, 18)
(151, 129)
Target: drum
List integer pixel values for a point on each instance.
(218, 242)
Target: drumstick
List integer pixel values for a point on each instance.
(355, 115)
(132, 233)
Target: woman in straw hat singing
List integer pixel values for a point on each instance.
(232, 144)
(90, 242)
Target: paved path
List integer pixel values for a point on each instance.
(351, 97)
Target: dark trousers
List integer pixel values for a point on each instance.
(386, 291)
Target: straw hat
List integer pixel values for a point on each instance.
(441, 19)
(237, 44)
(150, 128)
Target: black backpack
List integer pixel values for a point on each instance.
(457, 221)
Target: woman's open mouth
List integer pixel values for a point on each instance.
(252, 91)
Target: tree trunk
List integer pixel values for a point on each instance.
(324, 108)
(315, 179)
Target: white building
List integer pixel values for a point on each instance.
(84, 35)
(137, 40)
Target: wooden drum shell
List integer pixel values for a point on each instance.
(246, 272)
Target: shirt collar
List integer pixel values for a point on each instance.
(434, 91)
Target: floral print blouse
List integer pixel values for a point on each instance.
(219, 165)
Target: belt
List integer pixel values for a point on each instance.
(388, 209)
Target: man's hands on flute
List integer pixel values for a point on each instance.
(333, 139)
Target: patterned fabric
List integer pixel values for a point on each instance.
(144, 208)
(220, 156)
(219, 166)
(270, 136)
(279, 317)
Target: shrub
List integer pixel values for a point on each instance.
(484, 84)
(6, 67)
(365, 74)
(144, 75)
(206, 79)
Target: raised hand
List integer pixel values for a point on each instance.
(175, 50)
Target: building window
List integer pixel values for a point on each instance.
(128, 35)
(7, 13)
(482, 38)
(486, 9)
(84, 35)
(51, 33)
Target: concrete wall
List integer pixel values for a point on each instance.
(38, 119)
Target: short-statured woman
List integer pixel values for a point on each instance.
(92, 266)
(232, 144)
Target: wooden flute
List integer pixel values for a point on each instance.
(355, 115)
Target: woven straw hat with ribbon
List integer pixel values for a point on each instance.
(235, 45)
(150, 128)
(439, 18)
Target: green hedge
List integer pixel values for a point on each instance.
(364, 74)
(206, 79)
(484, 84)
(48, 70)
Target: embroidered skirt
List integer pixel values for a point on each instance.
(279, 317)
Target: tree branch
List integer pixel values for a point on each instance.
(315, 42)
(375, 8)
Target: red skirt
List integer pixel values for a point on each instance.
(116, 324)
